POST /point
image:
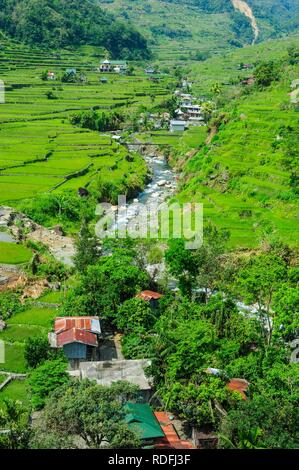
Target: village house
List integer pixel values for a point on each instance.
(154, 428)
(113, 66)
(187, 97)
(142, 420)
(171, 439)
(191, 110)
(177, 126)
(150, 71)
(245, 66)
(186, 84)
(239, 386)
(71, 71)
(150, 296)
(51, 76)
(78, 337)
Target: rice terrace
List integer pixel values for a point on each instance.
(126, 115)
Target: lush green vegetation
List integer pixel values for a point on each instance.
(190, 29)
(43, 153)
(25, 324)
(63, 23)
(11, 253)
(235, 310)
(244, 174)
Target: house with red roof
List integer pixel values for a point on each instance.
(77, 336)
(150, 296)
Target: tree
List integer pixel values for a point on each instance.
(14, 419)
(265, 74)
(210, 261)
(36, 351)
(106, 285)
(50, 95)
(215, 89)
(258, 281)
(286, 308)
(95, 413)
(87, 250)
(268, 419)
(203, 267)
(135, 313)
(45, 379)
(207, 110)
(181, 264)
(44, 75)
(9, 304)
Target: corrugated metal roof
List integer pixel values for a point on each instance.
(238, 385)
(171, 439)
(75, 335)
(141, 418)
(149, 295)
(91, 324)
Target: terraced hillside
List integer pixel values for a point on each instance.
(40, 150)
(175, 31)
(243, 174)
(184, 29)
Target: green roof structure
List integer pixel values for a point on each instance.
(141, 419)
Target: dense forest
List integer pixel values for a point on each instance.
(60, 23)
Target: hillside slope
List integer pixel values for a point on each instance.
(181, 29)
(247, 176)
(60, 23)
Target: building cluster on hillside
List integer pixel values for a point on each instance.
(188, 113)
(93, 354)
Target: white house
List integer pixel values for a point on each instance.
(113, 66)
(177, 126)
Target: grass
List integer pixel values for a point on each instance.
(20, 333)
(16, 390)
(12, 253)
(42, 317)
(14, 358)
(52, 297)
(3, 377)
(33, 322)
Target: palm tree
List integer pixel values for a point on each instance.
(207, 110)
(215, 89)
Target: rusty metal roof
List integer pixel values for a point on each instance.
(238, 385)
(171, 439)
(91, 324)
(149, 295)
(75, 335)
